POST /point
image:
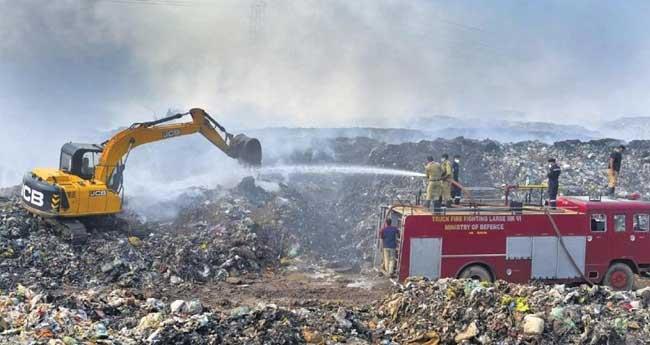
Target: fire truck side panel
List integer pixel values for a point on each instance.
(519, 270)
(472, 243)
(576, 246)
(527, 248)
(416, 228)
(425, 256)
(521, 247)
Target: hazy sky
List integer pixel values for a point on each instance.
(71, 65)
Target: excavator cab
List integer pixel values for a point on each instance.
(80, 159)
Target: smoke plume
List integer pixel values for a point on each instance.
(72, 69)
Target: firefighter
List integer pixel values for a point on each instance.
(553, 175)
(614, 168)
(389, 235)
(433, 173)
(455, 190)
(447, 176)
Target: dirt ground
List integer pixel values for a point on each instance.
(296, 287)
(289, 287)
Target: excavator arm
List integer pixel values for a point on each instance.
(246, 150)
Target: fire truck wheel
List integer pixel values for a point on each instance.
(476, 272)
(619, 277)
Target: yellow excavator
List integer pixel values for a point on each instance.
(88, 182)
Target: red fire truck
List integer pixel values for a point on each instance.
(582, 240)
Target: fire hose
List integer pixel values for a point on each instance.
(557, 234)
(465, 192)
(566, 250)
(555, 229)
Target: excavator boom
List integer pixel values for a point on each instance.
(246, 150)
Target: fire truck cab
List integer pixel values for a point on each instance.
(596, 240)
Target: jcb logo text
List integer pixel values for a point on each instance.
(98, 193)
(171, 133)
(32, 196)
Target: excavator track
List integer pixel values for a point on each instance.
(72, 230)
(76, 231)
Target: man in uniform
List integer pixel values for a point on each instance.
(433, 173)
(553, 175)
(447, 175)
(614, 168)
(455, 190)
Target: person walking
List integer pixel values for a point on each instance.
(553, 176)
(614, 168)
(389, 235)
(433, 173)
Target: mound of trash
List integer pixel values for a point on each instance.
(128, 253)
(350, 204)
(446, 311)
(489, 163)
(449, 311)
(123, 316)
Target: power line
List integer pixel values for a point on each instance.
(462, 26)
(173, 3)
(129, 2)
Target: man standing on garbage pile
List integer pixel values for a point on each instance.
(614, 168)
(455, 190)
(553, 176)
(389, 235)
(447, 175)
(433, 173)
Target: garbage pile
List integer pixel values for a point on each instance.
(489, 163)
(198, 247)
(335, 215)
(217, 233)
(450, 311)
(284, 220)
(119, 317)
(446, 311)
(332, 216)
(122, 316)
(351, 202)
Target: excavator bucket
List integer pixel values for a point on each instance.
(246, 150)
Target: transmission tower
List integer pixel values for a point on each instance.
(256, 20)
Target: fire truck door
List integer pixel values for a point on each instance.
(598, 244)
(640, 233)
(621, 235)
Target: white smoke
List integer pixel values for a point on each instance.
(72, 66)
